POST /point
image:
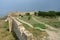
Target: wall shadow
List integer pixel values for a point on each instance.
(14, 35)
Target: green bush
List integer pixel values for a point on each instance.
(27, 14)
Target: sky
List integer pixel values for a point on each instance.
(28, 5)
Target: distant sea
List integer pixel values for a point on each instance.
(2, 14)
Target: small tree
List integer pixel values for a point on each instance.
(27, 14)
(58, 13)
(39, 13)
(35, 13)
(29, 17)
(52, 13)
(20, 15)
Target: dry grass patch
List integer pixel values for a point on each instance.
(4, 33)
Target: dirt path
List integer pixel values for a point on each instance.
(29, 24)
(58, 18)
(25, 22)
(49, 27)
(54, 34)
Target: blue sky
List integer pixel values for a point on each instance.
(28, 5)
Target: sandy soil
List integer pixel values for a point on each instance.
(54, 34)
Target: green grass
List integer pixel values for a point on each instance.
(39, 25)
(55, 24)
(33, 22)
(51, 21)
(46, 20)
(36, 32)
(6, 25)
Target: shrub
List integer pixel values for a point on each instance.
(27, 14)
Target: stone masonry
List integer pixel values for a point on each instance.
(19, 29)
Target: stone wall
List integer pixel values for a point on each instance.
(19, 30)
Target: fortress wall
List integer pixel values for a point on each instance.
(19, 30)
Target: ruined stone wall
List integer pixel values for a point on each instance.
(19, 30)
